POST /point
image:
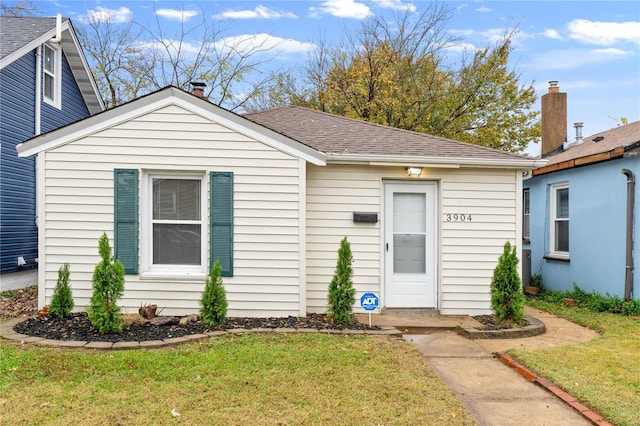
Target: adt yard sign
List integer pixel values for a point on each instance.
(369, 302)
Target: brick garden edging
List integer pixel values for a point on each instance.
(549, 386)
(7, 332)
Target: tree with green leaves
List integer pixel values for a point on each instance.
(62, 301)
(214, 298)
(507, 299)
(397, 73)
(108, 286)
(341, 291)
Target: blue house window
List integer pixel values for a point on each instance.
(51, 75)
(559, 220)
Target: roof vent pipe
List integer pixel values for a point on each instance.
(628, 277)
(58, 37)
(578, 127)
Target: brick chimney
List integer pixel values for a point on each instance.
(554, 119)
(197, 88)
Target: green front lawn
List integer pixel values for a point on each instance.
(603, 373)
(264, 379)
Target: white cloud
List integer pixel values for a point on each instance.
(575, 58)
(177, 15)
(604, 33)
(260, 12)
(483, 9)
(395, 5)
(551, 33)
(342, 9)
(247, 43)
(460, 7)
(102, 14)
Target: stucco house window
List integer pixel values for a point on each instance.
(51, 75)
(559, 216)
(526, 215)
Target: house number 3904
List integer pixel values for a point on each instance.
(455, 217)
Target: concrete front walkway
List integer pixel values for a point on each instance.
(494, 393)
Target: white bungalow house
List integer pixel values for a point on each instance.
(177, 182)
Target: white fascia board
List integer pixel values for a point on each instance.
(88, 126)
(158, 100)
(436, 162)
(32, 45)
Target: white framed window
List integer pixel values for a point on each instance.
(174, 215)
(526, 214)
(52, 75)
(559, 220)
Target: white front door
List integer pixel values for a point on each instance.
(409, 245)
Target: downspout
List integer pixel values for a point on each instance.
(37, 123)
(628, 279)
(58, 37)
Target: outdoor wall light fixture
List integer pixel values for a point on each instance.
(414, 171)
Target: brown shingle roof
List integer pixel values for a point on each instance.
(619, 137)
(333, 134)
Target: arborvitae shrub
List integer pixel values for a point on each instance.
(108, 286)
(62, 301)
(507, 299)
(341, 291)
(214, 298)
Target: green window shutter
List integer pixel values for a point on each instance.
(126, 218)
(221, 216)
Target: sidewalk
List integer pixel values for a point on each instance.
(493, 393)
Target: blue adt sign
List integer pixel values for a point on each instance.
(369, 301)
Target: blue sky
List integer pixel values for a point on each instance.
(591, 47)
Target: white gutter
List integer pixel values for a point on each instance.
(439, 162)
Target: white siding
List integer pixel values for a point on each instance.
(78, 208)
(468, 251)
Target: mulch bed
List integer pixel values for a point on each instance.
(78, 327)
(488, 323)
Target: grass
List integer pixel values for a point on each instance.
(238, 379)
(603, 373)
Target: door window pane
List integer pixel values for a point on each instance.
(409, 233)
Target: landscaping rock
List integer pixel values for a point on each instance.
(189, 319)
(164, 321)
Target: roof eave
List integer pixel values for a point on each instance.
(435, 162)
(95, 105)
(154, 101)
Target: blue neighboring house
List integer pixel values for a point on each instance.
(45, 83)
(579, 216)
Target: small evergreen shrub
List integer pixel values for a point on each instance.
(214, 298)
(62, 301)
(108, 286)
(507, 299)
(341, 291)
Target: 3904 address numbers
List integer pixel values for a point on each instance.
(457, 217)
